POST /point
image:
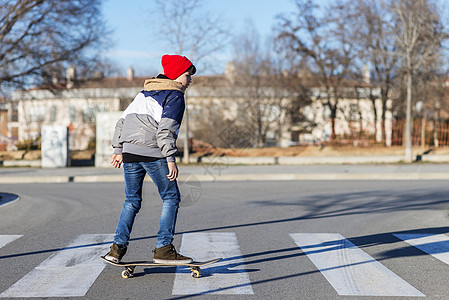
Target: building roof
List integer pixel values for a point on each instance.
(105, 82)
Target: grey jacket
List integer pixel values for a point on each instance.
(150, 124)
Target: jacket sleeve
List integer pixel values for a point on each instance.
(171, 119)
(116, 137)
(116, 143)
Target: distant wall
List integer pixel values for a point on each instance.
(55, 146)
(105, 122)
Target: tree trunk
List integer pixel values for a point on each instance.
(383, 117)
(376, 115)
(408, 121)
(384, 95)
(333, 118)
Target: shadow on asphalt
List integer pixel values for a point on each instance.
(366, 202)
(317, 207)
(361, 242)
(328, 206)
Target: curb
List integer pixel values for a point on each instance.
(317, 160)
(235, 177)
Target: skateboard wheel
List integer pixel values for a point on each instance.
(125, 274)
(128, 272)
(196, 272)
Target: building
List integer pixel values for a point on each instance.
(76, 103)
(3, 124)
(308, 122)
(8, 125)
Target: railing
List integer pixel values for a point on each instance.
(425, 133)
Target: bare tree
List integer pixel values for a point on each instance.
(290, 94)
(249, 66)
(188, 29)
(324, 41)
(38, 39)
(377, 49)
(419, 35)
(263, 81)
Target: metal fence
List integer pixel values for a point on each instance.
(425, 133)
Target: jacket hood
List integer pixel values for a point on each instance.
(161, 84)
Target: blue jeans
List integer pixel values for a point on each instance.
(168, 190)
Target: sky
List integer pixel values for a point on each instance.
(136, 45)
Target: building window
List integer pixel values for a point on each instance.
(89, 114)
(326, 112)
(15, 113)
(14, 133)
(195, 112)
(72, 113)
(353, 112)
(37, 113)
(53, 114)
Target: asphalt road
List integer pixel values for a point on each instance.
(279, 240)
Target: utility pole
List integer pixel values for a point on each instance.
(408, 158)
(186, 133)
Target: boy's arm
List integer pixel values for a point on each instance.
(169, 125)
(172, 170)
(116, 144)
(117, 158)
(116, 137)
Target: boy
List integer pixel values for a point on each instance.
(145, 142)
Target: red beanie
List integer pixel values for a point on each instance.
(175, 65)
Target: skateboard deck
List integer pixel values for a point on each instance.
(130, 266)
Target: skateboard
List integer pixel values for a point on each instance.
(131, 266)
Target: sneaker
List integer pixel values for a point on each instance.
(168, 255)
(116, 253)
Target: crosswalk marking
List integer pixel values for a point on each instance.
(350, 270)
(436, 245)
(71, 271)
(6, 239)
(224, 277)
(68, 273)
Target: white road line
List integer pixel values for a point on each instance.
(436, 245)
(6, 239)
(68, 273)
(225, 277)
(350, 270)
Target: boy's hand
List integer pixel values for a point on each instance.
(172, 170)
(116, 160)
